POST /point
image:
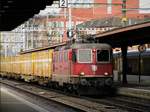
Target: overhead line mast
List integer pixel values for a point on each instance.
(124, 19)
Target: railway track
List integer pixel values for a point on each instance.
(133, 104)
(130, 104)
(85, 104)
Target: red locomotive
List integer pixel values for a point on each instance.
(83, 65)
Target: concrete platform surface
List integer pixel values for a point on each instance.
(12, 103)
(136, 91)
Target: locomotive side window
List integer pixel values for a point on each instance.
(103, 55)
(65, 56)
(84, 55)
(60, 56)
(56, 57)
(74, 57)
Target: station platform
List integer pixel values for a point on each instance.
(12, 103)
(135, 90)
(21, 97)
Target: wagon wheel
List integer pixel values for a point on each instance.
(76, 90)
(65, 89)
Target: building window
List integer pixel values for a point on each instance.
(109, 7)
(81, 3)
(144, 4)
(67, 24)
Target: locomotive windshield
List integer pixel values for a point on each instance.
(84, 55)
(103, 55)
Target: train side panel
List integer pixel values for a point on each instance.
(13, 64)
(21, 64)
(16, 64)
(9, 65)
(61, 67)
(38, 64)
(29, 64)
(26, 64)
(49, 63)
(2, 63)
(33, 55)
(50, 57)
(6, 68)
(43, 63)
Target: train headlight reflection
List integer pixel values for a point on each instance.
(106, 73)
(82, 73)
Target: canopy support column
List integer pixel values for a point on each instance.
(124, 63)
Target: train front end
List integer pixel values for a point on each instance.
(92, 65)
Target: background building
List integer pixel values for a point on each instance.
(11, 43)
(85, 17)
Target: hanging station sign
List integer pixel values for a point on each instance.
(63, 3)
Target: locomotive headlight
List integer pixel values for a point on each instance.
(106, 73)
(82, 73)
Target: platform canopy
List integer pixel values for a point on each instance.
(15, 12)
(126, 36)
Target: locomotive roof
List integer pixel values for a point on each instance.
(91, 45)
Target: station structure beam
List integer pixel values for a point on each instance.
(15, 12)
(124, 63)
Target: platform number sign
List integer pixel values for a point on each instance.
(141, 48)
(63, 3)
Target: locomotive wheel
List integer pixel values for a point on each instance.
(68, 88)
(79, 90)
(88, 91)
(75, 89)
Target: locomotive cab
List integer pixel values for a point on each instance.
(93, 64)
